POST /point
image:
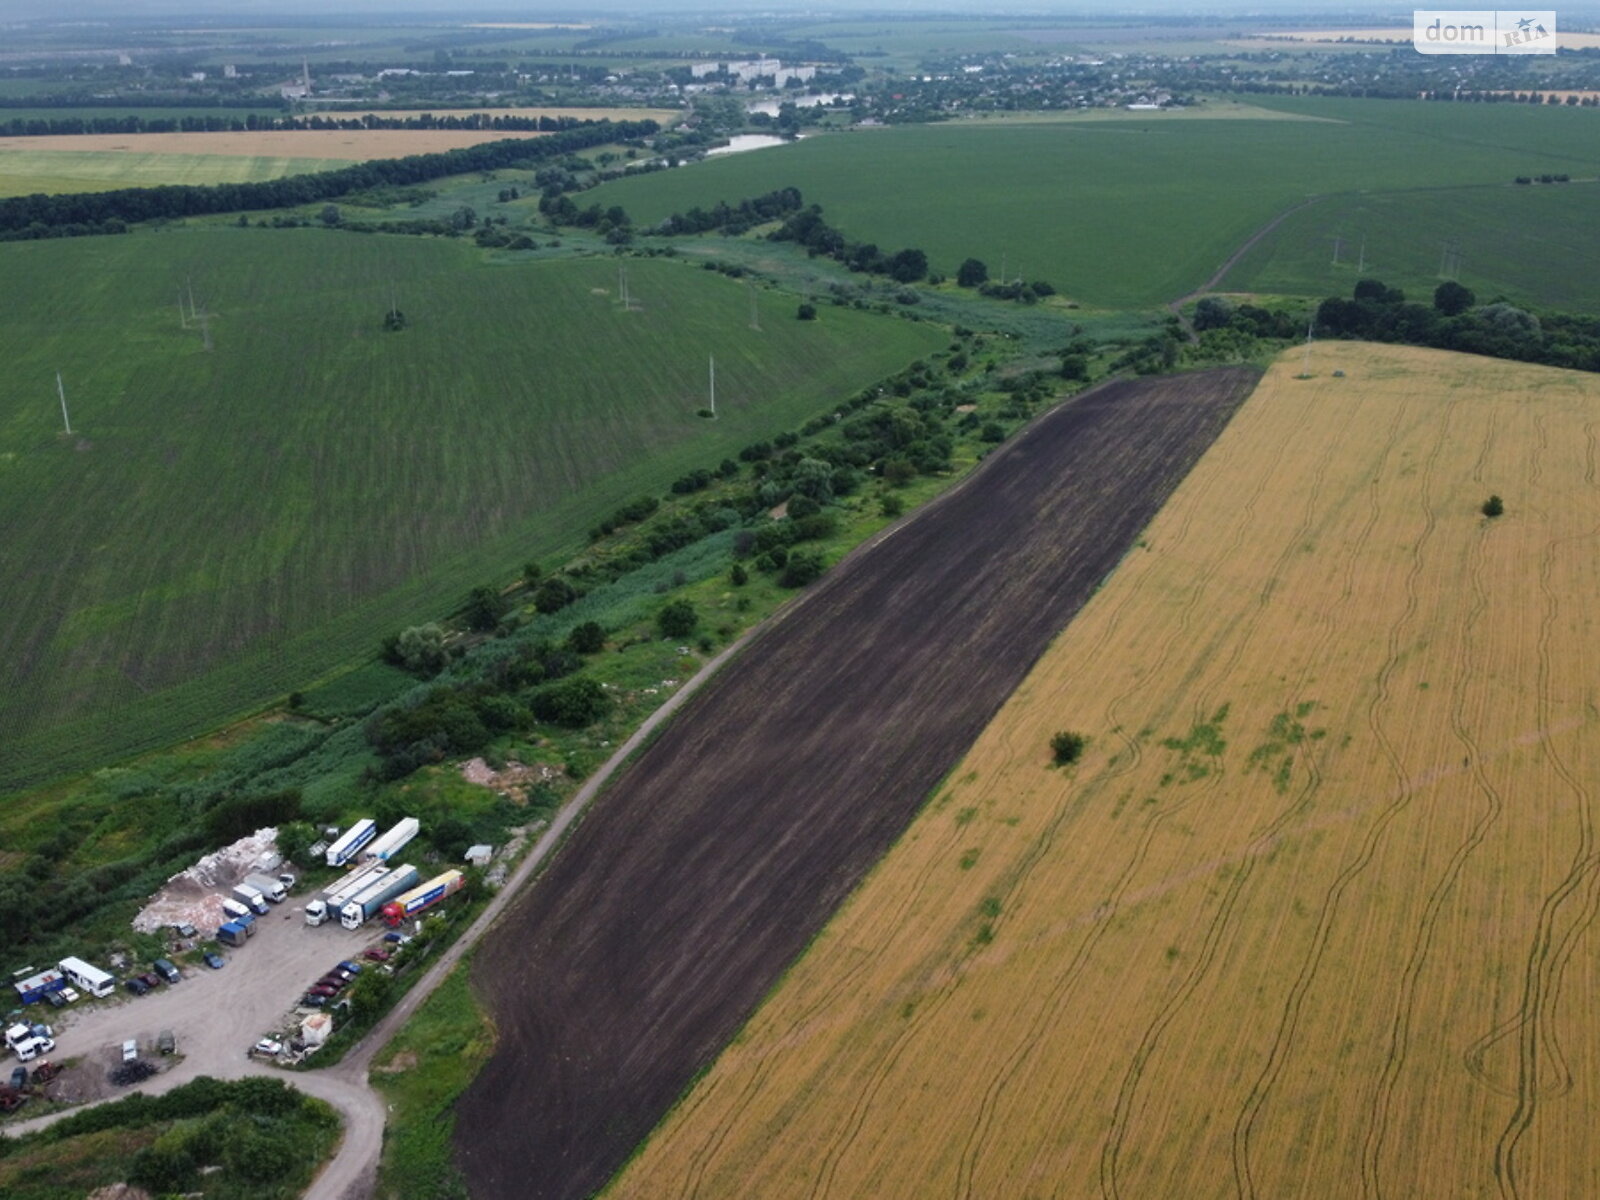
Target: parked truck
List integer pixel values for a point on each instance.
(326, 906)
(247, 895)
(231, 933)
(390, 844)
(268, 886)
(424, 897)
(370, 902)
(345, 849)
(247, 923)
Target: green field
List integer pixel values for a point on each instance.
(1534, 244)
(1132, 212)
(24, 172)
(223, 526)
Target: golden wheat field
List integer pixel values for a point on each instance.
(1312, 916)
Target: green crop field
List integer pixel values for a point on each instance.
(1132, 212)
(224, 525)
(1533, 244)
(24, 172)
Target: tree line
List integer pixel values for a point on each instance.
(1454, 320)
(40, 216)
(252, 122)
(807, 229)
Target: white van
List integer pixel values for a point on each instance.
(233, 908)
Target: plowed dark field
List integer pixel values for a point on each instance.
(713, 861)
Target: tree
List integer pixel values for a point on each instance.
(1451, 299)
(972, 273)
(1493, 506)
(330, 215)
(573, 702)
(1067, 747)
(738, 576)
(588, 638)
(554, 594)
(485, 607)
(677, 619)
(294, 839)
(420, 650)
(531, 573)
(1213, 312)
(807, 312)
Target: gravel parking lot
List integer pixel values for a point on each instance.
(216, 1016)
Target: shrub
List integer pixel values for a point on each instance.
(588, 638)
(1067, 747)
(574, 702)
(807, 312)
(803, 567)
(677, 619)
(738, 576)
(1493, 506)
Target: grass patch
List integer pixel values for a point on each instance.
(420, 1074)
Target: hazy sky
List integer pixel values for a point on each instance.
(12, 10)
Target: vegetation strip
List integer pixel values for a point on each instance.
(742, 827)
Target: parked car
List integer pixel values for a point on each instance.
(19, 1078)
(395, 938)
(184, 929)
(130, 1050)
(166, 1042)
(167, 970)
(321, 989)
(268, 1047)
(376, 955)
(336, 982)
(312, 1000)
(56, 999)
(151, 980)
(136, 985)
(214, 961)
(70, 995)
(353, 967)
(287, 880)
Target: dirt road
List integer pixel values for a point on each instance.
(736, 834)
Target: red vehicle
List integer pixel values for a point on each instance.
(377, 955)
(331, 981)
(320, 990)
(151, 980)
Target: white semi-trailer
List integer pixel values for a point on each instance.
(351, 842)
(326, 906)
(370, 902)
(391, 843)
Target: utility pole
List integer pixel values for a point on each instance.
(713, 385)
(62, 392)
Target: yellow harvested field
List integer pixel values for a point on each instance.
(346, 145)
(1312, 917)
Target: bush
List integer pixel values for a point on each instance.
(574, 702)
(588, 638)
(738, 576)
(807, 312)
(803, 567)
(677, 619)
(1067, 747)
(554, 594)
(1493, 506)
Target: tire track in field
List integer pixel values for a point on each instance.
(1288, 1024)
(827, 1172)
(1542, 976)
(700, 1158)
(1377, 1134)
(1216, 930)
(1023, 1050)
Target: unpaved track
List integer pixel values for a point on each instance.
(734, 837)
